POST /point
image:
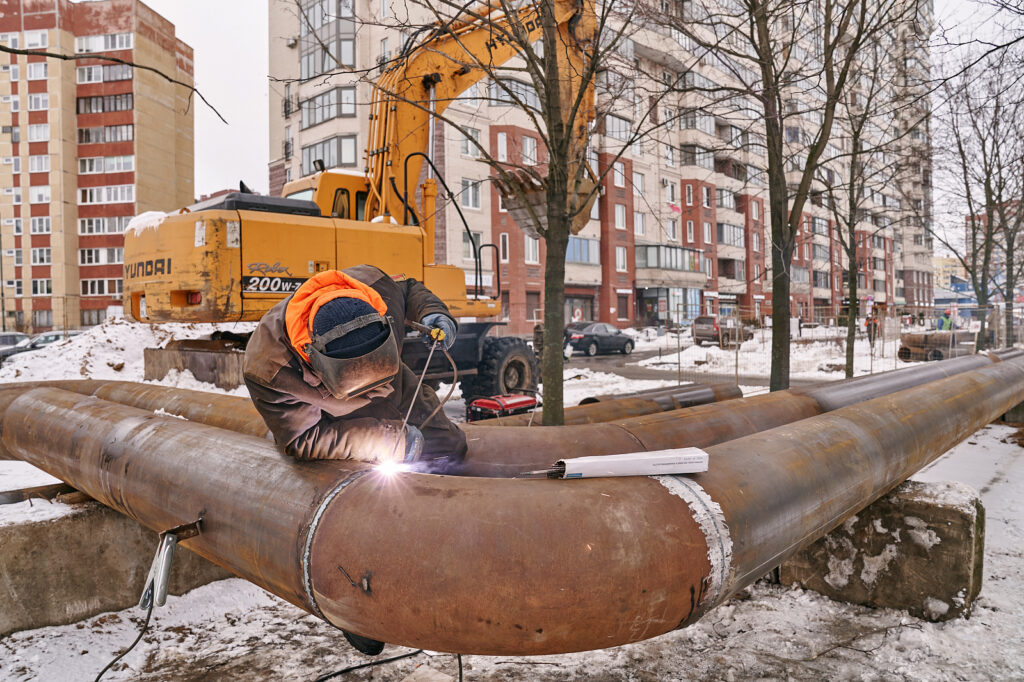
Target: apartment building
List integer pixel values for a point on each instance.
(681, 226)
(86, 144)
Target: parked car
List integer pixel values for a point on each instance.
(597, 337)
(707, 328)
(11, 343)
(40, 341)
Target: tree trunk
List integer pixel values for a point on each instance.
(851, 316)
(782, 260)
(554, 323)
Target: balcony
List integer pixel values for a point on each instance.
(287, 148)
(289, 106)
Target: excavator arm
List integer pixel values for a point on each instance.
(431, 74)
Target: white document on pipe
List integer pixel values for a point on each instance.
(653, 463)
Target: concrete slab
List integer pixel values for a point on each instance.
(60, 564)
(919, 548)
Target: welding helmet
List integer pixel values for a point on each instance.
(350, 371)
(340, 327)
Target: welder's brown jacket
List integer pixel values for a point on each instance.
(310, 423)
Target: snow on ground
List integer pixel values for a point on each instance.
(822, 359)
(113, 351)
(232, 630)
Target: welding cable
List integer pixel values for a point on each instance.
(145, 626)
(371, 664)
(455, 379)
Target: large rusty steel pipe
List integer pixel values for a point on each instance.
(509, 451)
(610, 408)
(498, 566)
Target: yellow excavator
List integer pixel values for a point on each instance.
(234, 256)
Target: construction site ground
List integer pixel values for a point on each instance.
(232, 630)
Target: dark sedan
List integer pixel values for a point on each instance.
(597, 337)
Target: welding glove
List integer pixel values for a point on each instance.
(413, 443)
(442, 322)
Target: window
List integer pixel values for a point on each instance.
(18, 257)
(41, 287)
(100, 104)
(17, 225)
(19, 287)
(117, 72)
(639, 228)
(502, 146)
(114, 225)
(620, 216)
(620, 259)
(529, 151)
(756, 242)
(110, 194)
(470, 244)
(42, 318)
(335, 151)
(40, 225)
(755, 210)
(39, 194)
(35, 39)
(705, 197)
(669, 258)
(509, 92)
(41, 256)
(36, 71)
(38, 102)
(39, 164)
(698, 156)
(102, 256)
(89, 74)
(384, 13)
(101, 287)
(617, 128)
(583, 251)
(104, 43)
(689, 230)
(638, 183)
(122, 133)
(707, 233)
(468, 145)
(503, 247)
(15, 164)
(689, 195)
(532, 250)
(91, 318)
(757, 271)
(670, 155)
(470, 193)
(673, 229)
(39, 132)
(326, 106)
(619, 174)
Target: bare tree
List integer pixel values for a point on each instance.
(783, 53)
(864, 164)
(978, 126)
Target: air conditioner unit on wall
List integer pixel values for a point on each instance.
(8, 252)
(9, 283)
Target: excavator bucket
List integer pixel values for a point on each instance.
(525, 198)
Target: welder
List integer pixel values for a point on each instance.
(324, 370)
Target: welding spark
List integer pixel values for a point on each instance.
(391, 468)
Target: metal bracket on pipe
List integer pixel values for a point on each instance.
(158, 580)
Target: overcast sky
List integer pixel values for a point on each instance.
(229, 38)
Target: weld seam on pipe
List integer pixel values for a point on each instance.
(307, 581)
(709, 516)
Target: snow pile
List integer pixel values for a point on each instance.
(112, 351)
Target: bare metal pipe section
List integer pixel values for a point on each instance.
(429, 561)
(609, 408)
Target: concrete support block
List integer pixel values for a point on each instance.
(90, 560)
(919, 548)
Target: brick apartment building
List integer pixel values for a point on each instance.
(86, 144)
(680, 228)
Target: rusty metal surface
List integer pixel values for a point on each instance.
(607, 408)
(504, 567)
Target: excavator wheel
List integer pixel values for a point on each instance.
(507, 365)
